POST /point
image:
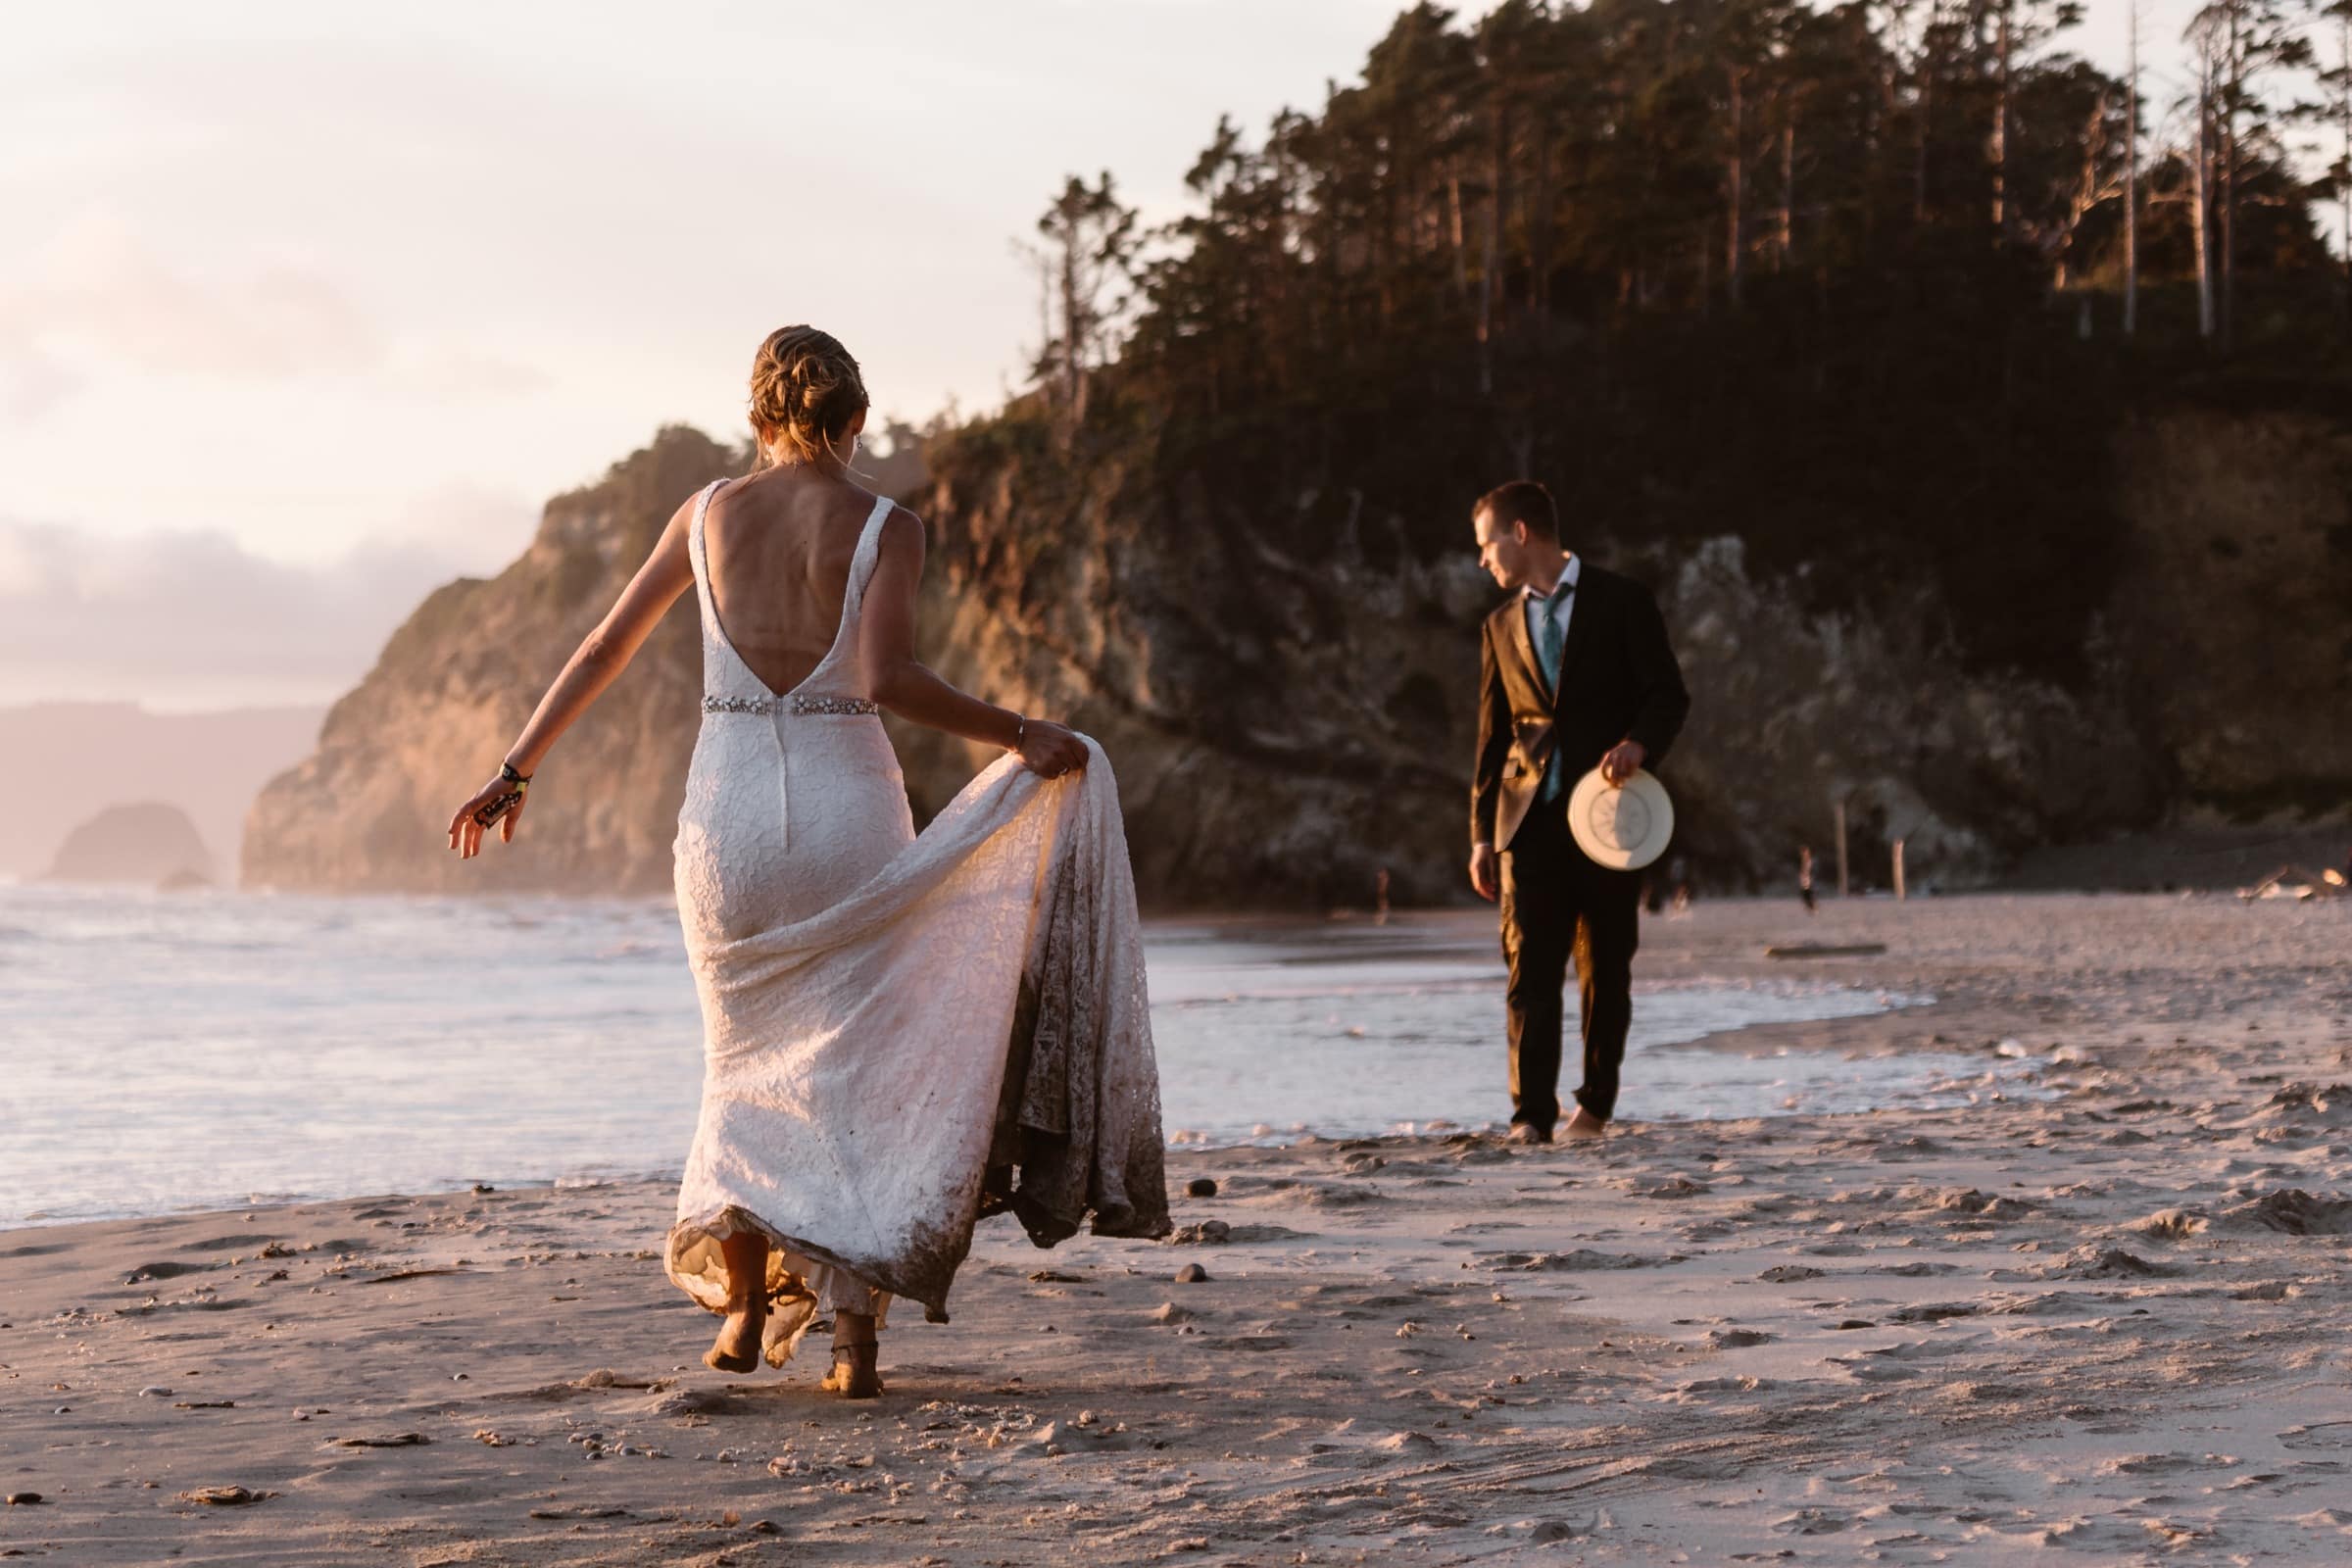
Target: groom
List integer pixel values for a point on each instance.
(1574, 671)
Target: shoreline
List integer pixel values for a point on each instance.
(1756, 1040)
(2109, 1321)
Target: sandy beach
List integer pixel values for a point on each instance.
(2097, 1316)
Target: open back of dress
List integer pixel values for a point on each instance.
(893, 1023)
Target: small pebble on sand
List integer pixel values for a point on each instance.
(1201, 1187)
(1191, 1274)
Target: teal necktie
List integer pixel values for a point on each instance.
(1550, 641)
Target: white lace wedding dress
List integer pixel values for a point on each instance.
(901, 1033)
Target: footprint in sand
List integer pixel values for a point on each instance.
(2293, 1211)
(2171, 1224)
(2093, 1262)
(1812, 1522)
(1579, 1261)
(2165, 1464)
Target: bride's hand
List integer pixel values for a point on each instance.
(465, 827)
(1050, 750)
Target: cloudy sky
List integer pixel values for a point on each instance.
(305, 308)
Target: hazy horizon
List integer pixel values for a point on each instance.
(308, 311)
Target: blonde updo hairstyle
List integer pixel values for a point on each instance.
(806, 394)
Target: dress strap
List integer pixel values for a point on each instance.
(696, 558)
(869, 552)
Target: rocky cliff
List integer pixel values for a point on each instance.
(370, 809)
(1289, 701)
(2232, 632)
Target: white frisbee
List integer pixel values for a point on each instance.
(1622, 828)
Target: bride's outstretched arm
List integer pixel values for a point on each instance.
(594, 665)
(912, 690)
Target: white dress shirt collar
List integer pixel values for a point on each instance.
(1568, 574)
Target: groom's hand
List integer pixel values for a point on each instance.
(1484, 877)
(1624, 761)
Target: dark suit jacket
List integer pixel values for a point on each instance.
(1618, 681)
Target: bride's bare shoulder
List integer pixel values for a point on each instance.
(703, 498)
(673, 538)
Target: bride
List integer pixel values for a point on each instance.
(902, 1033)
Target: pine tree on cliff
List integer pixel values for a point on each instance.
(2249, 44)
(2336, 80)
(1744, 263)
(1090, 244)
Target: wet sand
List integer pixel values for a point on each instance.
(2102, 1322)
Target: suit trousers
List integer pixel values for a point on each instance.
(1559, 904)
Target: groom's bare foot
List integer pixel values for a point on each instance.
(1584, 1124)
(737, 1348)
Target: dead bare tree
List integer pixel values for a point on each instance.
(2131, 178)
(2206, 43)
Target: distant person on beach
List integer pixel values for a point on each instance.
(1804, 877)
(870, 996)
(1575, 671)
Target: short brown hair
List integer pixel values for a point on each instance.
(806, 390)
(1522, 501)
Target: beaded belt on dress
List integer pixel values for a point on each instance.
(795, 705)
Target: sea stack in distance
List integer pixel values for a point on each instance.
(149, 842)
